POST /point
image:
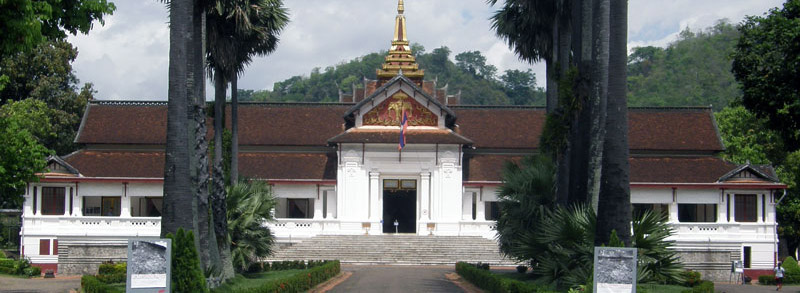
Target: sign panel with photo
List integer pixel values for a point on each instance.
(614, 269)
(149, 265)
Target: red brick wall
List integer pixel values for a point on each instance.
(753, 273)
(46, 266)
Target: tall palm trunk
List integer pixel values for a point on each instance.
(614, 212)
(579, 133)
(598, 99)
(179, 205)
(234, 130)
(219, 206)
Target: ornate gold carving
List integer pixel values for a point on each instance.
(390, 112)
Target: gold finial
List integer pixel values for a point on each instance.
(400, 7)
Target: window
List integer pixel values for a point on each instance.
(53, 200)
(746, 208)
(659, 209)
(298, 208)
(146, 206)
(44, 246)
(747, 253)
(492, 210)
(106, 206)
(697, 213)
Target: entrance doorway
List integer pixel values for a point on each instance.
(400, 204)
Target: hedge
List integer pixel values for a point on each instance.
(766, 279)
(90, 284)
(300, 282)
(485, 280)
(7, 263)
(19, 267)
(703, 287)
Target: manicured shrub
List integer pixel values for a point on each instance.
(301, 281)
(766, 279)
(7, 263)
(792, 275)
(691, 278)
(703, 287)
(112, 268)
(90, 284)
(186, 273)
(485, 280)
(32, 271)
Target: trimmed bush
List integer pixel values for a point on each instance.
(90, 284)
(32, 271)
(691, 278)
(300, 282)
(485, 280)
(112, 268)
(186, 273)
(7, 263)
(522, 269)
(792, 275)
(766, 280)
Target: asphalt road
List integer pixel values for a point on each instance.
(397, 279)
(10, 284)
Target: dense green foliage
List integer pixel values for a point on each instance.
(249, 207)
(300, 281)
(26, 23)
(186, 273)
(559, 242)
(695, 70)
(90, 284)
(111, 273)
(478, 82)
(490, 282)
(20, 267)
(45, 74)
(767, 64)
(22, 127)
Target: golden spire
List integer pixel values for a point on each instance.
(400, 57)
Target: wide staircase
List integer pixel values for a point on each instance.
(395, 250)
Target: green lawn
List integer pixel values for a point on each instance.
(646, 288)
(252, 280)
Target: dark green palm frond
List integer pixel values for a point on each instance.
(250, 206)
(657, 262)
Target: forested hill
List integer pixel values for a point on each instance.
(479, 83)
(695, 70)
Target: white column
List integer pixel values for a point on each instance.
(77, 210)
(480, 207)
(125, 203)
(425, 195)
(27, 204)
(732, 203)
(66, 201)
(758, 208)
(375, 197)
(673, 212)
(318, 204)
(38, 207)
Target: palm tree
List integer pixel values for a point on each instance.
(615, 184)
(182, 87)
(250, 206)
(237, 31)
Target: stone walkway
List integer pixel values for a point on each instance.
(10, 284)
(397, 279)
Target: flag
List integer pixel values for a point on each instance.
(403, 129)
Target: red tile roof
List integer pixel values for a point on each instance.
(293, 124)
(393, 136)
(150, 164)
(486, 167)
(682, 170)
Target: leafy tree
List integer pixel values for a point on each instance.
(520, 86)
(474, 63)
(186, 273)
(746, 137)
(767, 64)
(694, 70)
(26, 23)
(250, 205)
(45, 74)
(22, 126)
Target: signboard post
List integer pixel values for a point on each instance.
(149, 262)
(614, 270)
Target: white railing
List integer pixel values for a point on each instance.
(486, 229)
(92, 226)
(724, 230)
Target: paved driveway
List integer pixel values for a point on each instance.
(729, 288)
(57, 285)
(391, 279)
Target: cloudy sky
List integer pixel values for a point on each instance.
(127, 58)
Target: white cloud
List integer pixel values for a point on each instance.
(128, 57)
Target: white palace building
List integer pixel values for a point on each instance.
(336, 169)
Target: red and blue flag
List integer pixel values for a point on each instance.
(403, 129)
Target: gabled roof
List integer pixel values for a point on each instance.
(763, 172)
(66, 167)
(395, 80)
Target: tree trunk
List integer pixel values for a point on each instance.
(615, 186)
(179, 204)
(234, 130)
(219, 206)
(598, 99)
(199, 149)
(580, 135)
(552, 71)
